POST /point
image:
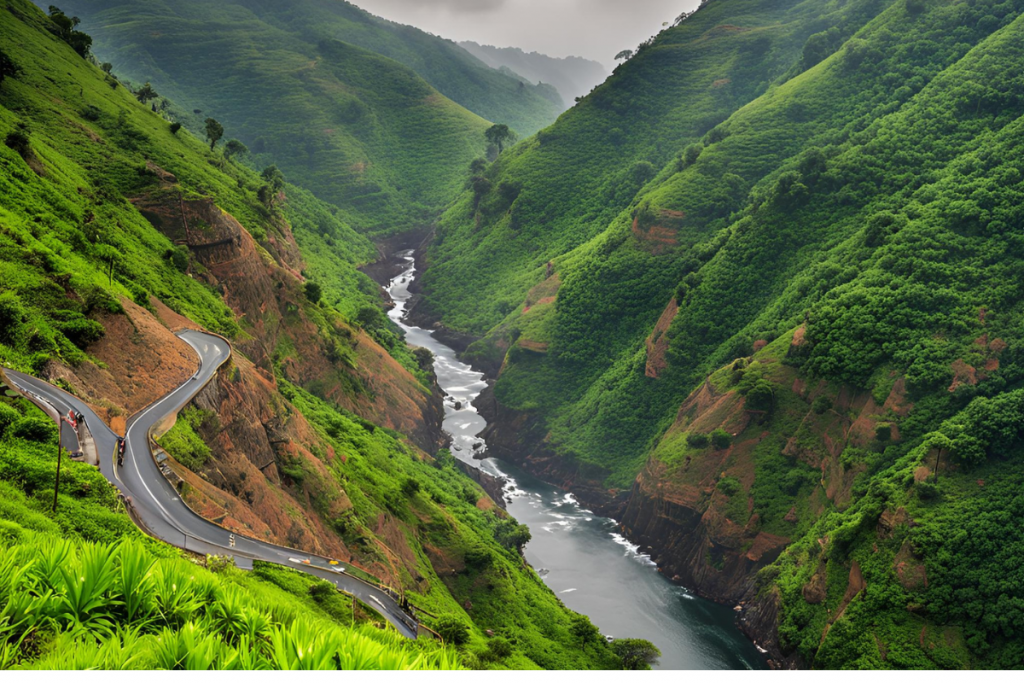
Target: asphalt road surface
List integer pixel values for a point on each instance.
(158, 509)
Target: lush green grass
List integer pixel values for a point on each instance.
(313, 87)
(82, 588)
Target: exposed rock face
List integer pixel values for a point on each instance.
(265, 289)
(491, 484)
(519, 438)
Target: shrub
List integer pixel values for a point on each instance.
(452, 629)
(730, 486)
(39, 429)
(499, 647)
(821, 405)
(12, 315)
(81, 331)
(721, 439)
(636, 654)
(8, 416)
(175, 127)
(411, 487)
(697, 440)
(313, 292)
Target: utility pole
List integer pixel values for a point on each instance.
(60, 448)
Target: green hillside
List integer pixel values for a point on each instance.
(859, 182)
(355, 127)
(81, 266)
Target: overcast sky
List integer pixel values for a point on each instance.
(596, 29)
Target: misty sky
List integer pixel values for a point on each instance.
(596, 29)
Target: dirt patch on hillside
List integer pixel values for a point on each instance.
(657, 342)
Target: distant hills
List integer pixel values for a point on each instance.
(572, 76)
(376, 117)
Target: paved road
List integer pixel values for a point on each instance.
(159, 510)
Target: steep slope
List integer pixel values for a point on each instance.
(779, 339)
(564, 186)
(572, 76)
(455, 72)
(114, 230)
(358, 129)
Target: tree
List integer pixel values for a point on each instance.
(636, 654)
(214, 132)
(234, 148)
(8, 67)
(146, 93)
(720, 439)
(313, 292)
(106, 67)
(271, 191)
(511, 534)
(64, 28)
(481, 186)
(500, 134)
(583, 630)
(272, 176)
(624, 55)
(477, 166)
(175, 127)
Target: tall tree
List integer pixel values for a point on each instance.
(64, 27)
(146, 93)
(500, 134)
(214, 132)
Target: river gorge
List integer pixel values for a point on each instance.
(581, 556)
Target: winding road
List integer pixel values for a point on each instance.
(156, 507)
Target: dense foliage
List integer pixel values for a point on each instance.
(856, 187)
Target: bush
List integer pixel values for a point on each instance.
(499, 647)
(8, 416)
(452, 629)
(411, 487)
(721, 439)
(313, 292)
(821, 405)
(730, 486)
(12, 315)
(636, 654)
(175, 127)
(39, 429)
(697, 440)
(926, 490)
(81, 331)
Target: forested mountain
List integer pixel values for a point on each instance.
(118, 227)
(342, 101)
(572, 76)
(759, 297)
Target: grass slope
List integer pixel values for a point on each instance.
(340, 116)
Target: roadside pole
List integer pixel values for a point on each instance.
(60, 448)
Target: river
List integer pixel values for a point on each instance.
(581, 556)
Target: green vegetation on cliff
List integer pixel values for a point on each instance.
(861, 189)
(109, 217)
